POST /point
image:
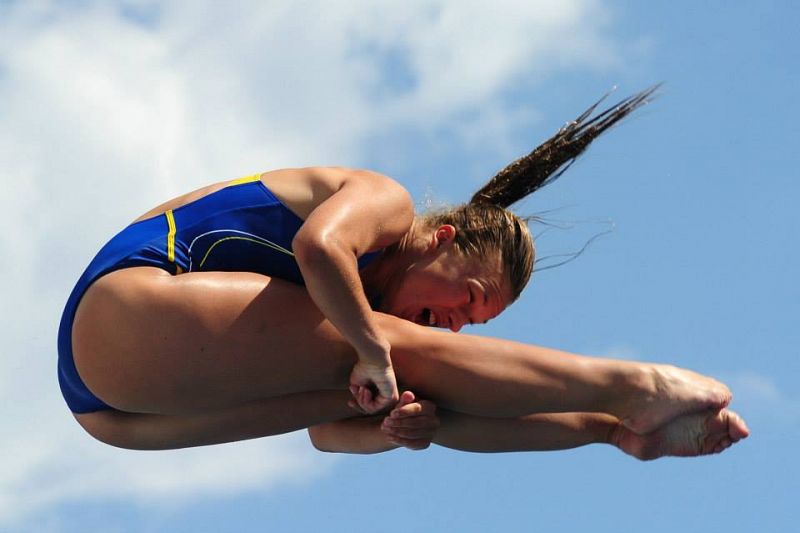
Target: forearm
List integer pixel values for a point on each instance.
(539, 432)
(332, 280)
(361, 435)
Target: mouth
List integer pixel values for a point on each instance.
(426, 317)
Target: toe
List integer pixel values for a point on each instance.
(737, 429)
(725, 396)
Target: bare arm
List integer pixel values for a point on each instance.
(414, 424)
(361, 435)
(411, 424)
(540, 432)
(367, 211)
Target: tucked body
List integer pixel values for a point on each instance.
(301, 297)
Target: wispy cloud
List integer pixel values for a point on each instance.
(761, 393)
(109, 108)
(72, 468)
(621, 351)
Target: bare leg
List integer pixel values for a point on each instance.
(148, 342)
(498, 378)
(686, 436)
(263, 418)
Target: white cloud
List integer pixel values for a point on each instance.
(463, 53)
(105, 114)
(761, 394)
(621, 351)
(89, 471)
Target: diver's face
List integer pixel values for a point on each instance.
(450, 290)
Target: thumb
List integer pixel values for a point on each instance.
(406, 398)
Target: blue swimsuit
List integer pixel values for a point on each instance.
(240, 228)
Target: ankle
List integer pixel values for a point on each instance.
(635, 386)
(614, 433)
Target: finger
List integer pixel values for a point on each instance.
(408, 433)
(418, 408)
(377, 404)
(354, 406)
(413, 422)
(391, 397)
(428, 407)
(387, 388)
(412, 409)
(406, 398)
(412, 444)
(365, 400)
(404, 433)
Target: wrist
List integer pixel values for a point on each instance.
(614, 433)
(603, 428)
(375, 353)
(388, 440)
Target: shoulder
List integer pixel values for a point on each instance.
(383, 196)
(386, 188)
(303, 189)
(338, 177)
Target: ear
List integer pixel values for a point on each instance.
(445, 235)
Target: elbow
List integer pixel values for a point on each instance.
(311, 248)
(307, 247)
(317, 436)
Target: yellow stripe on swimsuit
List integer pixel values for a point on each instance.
(244, 228)
(170, 236)
(246, 179)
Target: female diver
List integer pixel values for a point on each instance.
(249, 307)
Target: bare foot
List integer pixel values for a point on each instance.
(670, 392)
(686, 436)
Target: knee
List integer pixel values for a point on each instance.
(108, 428)
(415, 348)
(401, 334)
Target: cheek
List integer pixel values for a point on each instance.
(425, 289)
(443, 295)
(412, 291)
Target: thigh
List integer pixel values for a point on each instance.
(145, 341)
(261, 418)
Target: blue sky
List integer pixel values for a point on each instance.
(107, 109)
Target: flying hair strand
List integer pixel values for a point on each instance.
(553, 157)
